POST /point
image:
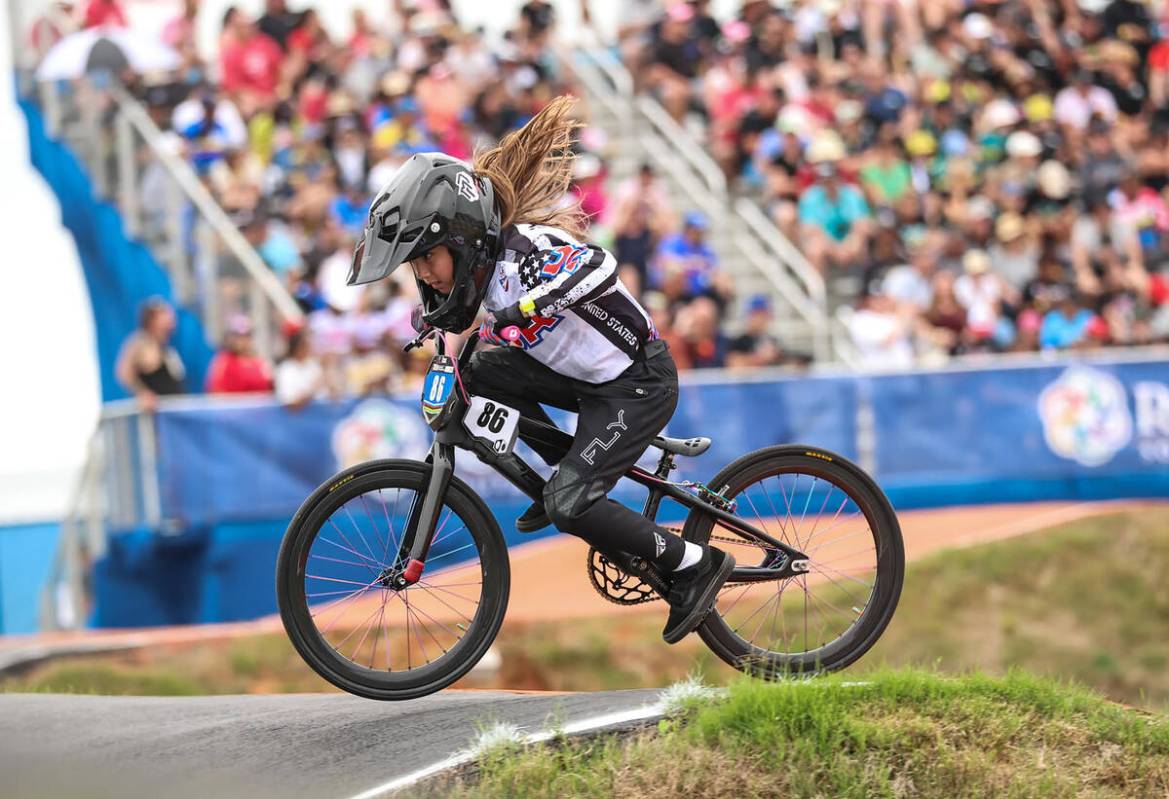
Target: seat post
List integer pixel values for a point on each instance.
(665, 465)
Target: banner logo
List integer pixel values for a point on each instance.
(377, 428)
(1085, 416)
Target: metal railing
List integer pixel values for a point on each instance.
(675, 151)
(117, 489)
(213, 270)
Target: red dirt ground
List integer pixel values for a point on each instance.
(549, 579)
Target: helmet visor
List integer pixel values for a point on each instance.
(374, 258)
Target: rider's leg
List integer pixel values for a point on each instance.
(617, 421)
(511, 376)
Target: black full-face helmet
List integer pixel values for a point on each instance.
(433, 199)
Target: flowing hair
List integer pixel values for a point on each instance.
(531, 170)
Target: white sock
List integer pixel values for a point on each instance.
(692, 555)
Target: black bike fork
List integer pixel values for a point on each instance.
(424, 510)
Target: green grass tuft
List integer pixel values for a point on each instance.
(903, 733)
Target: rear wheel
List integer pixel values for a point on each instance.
(827, 507)
(335, 572)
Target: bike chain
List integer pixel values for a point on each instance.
(616, 589)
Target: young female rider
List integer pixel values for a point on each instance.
(495, 233)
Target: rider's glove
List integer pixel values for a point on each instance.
(507, 317)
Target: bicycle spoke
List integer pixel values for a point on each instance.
(336, 580)
(337, 560)
(352, 548)
(444, 602)
(360, 535)
(448, 591)
(390, 536)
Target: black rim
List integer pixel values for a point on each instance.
(816, 618)
(352, 618)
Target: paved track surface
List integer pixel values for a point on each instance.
(301, 745)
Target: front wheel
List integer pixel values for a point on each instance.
(335, 575)
(828, 508)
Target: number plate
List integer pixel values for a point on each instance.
(493, 423)
(437, 387)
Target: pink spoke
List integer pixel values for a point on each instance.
(820, 513)
(450, 607)
(373, 524)
(445, 590)
(335, 580)
(350, 547)
(337, 646)
(342, 604)
(338, 560)
(357, 527)
(417, 609)
(333, 593)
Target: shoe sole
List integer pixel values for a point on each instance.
(532, 526)
(705, 604)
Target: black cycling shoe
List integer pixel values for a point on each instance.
(533, 519)
(694, 592)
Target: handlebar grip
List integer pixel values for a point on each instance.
(511, 333)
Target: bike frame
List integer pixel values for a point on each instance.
(785, 560)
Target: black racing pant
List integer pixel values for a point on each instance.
(615, 424)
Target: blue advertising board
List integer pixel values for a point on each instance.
(231, 473)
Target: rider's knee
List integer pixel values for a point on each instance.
(568, 496)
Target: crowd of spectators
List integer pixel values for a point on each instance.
(294, 132)
(985, 176)
(971, 176)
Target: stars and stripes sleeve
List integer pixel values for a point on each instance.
(567, 275)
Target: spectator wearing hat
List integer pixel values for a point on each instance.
(1015, 255)
(1102, 167)
(685, 266)
(237, 368)
(982, 293)
(756, 345)
(835, 221)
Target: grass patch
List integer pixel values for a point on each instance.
(905, 733)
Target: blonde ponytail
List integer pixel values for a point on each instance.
(531, 170)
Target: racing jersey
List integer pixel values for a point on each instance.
(585, 324)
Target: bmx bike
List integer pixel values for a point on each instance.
(393, 576)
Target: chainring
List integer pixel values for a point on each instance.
(616, 585)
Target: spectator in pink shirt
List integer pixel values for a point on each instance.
(181, 29)
(100, 13)
(249, 61)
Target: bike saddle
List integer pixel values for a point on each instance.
(683, 446)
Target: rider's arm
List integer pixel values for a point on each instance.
(578, 274)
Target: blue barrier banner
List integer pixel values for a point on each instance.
(1069, 431)
(232, 472)
(254, 460)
